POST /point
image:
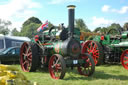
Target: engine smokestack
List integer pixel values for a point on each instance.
(71, 14)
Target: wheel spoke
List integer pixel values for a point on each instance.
(95, 61)
(24, 63)
(96, 51)
(28, 65)
(57, 61)
(29, 59)
(94, 48)
(29, 54)
(125, 61)
(126, 57)
(57, 71)
(26, 47)
(58, 67)
(91, 46)
(95, 56)
(88, 49)
(24, 54)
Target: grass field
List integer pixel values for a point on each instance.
(104, 75)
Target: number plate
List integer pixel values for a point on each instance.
(75, 61)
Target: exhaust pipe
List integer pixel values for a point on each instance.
(71, 14)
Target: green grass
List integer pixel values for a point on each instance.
(104, 75)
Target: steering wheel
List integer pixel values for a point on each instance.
(50, 33)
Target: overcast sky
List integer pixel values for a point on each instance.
(95, 13)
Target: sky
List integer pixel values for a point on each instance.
(95, 13)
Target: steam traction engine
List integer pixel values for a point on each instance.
(109, 48)
(57, 49)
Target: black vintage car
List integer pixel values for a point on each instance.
(11, 54)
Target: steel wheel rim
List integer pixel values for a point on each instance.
(55, 67)
(26, 57)
(86, 69)
(91, 48)
(124, 59)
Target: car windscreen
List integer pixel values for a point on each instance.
(1, 44)
(7, 50)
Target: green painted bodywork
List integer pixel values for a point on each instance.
(56, 47)
(114, 42)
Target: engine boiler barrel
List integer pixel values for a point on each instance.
(69, 47)
(71, 10)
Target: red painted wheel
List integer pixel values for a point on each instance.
(124, 59)
(25, 57)
(95, 50)
(29, 57)
(89, 67)
(57, 67)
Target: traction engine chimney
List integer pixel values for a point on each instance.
(71, 14)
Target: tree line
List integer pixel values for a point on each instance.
(30, 26)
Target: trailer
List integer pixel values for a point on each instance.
(11, 41)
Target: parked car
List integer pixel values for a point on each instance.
(7, 41)
(11, 54)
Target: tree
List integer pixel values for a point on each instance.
(98, 29)
(30, 26)
(4, 31)
(50, 25)
(104, 30)
(125, 26)
(81, 25)
(115, 26)
(32, 20)
(15, 32)
(4, 27)
(30, 30)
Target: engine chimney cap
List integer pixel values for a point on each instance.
(71, 6)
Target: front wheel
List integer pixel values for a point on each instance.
(89, 67)
(57, 67)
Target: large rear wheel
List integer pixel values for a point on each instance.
(95, 50)
(89, 67)
(57, 67)
(29, 58)
(124, 59)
